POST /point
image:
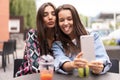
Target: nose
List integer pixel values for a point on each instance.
(65, 22)
(50, 16)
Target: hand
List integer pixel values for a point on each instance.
(96, 66)
(79, 62)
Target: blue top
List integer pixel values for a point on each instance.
(100, 54)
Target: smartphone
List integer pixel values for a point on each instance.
(87, 47)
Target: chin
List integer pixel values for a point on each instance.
(50, 27)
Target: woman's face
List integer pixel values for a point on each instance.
(49, 17)
(66, 21)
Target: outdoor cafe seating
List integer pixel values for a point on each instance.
(8, 48)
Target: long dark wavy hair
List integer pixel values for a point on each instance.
(41, 30)
(78, 30)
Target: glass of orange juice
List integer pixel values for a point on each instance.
(46, 75)
(46, 66)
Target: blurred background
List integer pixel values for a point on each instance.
(18, 16)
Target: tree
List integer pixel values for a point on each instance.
(25, 8)
(84, 20)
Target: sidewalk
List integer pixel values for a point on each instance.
(8, 75)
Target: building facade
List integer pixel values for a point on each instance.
(4, 21)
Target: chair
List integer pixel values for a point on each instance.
(15, 47)
(115, 66)
(14, 43)
(17, 63)
(11, 49)
(6, 48)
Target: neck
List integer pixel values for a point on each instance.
(72, 36)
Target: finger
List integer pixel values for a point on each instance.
(97, 62)
(100, 66)
(96, 65)
(81, 60)
(80, 63)
(92, 65)
(97, 70)
(89, 64)
(79, 55)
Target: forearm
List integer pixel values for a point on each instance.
(68, 66)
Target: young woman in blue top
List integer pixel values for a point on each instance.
(67, 51)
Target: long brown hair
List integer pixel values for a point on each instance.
(41, 29)
(78, 30)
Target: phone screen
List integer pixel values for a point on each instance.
(87, 47)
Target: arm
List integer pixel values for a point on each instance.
(60, 57)
(78, 62)
(31, 55)
(101, 54)
(63, 63)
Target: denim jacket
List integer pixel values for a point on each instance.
(100, 54)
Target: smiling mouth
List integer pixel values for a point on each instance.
(66, 28)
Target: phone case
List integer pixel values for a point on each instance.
(87, 47)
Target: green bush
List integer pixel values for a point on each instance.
(25, 8)
(111, 42)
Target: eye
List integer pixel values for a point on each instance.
(61, 20)
(53, 13)
(69, 18)
(45, 14)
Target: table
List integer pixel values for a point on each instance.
(107, 76)
(112, 47)
(113, 51)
